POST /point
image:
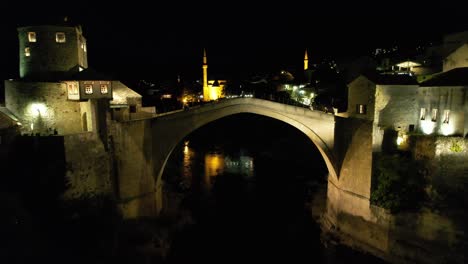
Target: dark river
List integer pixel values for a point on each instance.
(249, 184)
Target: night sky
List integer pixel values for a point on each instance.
(161, 40)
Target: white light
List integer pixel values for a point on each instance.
(301, 91)
(447, 129)
(399, 140)
(427, 127)
(37, 109)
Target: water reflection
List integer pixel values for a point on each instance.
(242, 165)
(214, 165)
(187, 165)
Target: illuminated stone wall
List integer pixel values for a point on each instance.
(47, 57)
(43, 105)
(389, 106)
(451, 98)
(132, 143)
(396, 107)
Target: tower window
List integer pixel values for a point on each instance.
(60, 37)
(88, 89)
(446, 116)
(361, 109)
(32, 36)
(27, 52)
(434, 115)
(104, 89)
(422, 114)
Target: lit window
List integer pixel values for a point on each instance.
(83, 46)
(60, 37)
(27, 52)
(434, 115)
(361, 109)
(422, 115)
(446, 116)
(88, 89)
(104, 89)
(32, 36)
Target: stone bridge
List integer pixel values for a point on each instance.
(143, 147)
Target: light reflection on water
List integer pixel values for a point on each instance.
(216, 163)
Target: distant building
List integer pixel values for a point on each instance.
(212, 89)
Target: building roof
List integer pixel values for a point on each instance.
(121, 94)
(391, 79)
(454, 77)
(90, 74)
(7, 119)
(408, 64)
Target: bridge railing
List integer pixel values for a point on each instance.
(263, 96)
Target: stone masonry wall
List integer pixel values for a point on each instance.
(43, 104)
(134, 167)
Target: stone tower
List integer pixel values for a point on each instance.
(47, 50)
(306, 61)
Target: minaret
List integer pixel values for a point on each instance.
(205, 71)
(306, 61)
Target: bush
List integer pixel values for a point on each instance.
(398, 183)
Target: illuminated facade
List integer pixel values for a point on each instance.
(212, 89)
(398, 103)
(443, 104)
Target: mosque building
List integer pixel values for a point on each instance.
(212, 89)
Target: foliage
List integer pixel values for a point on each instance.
(398, 183)
(456, 147)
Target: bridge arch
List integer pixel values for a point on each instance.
(170, 130)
